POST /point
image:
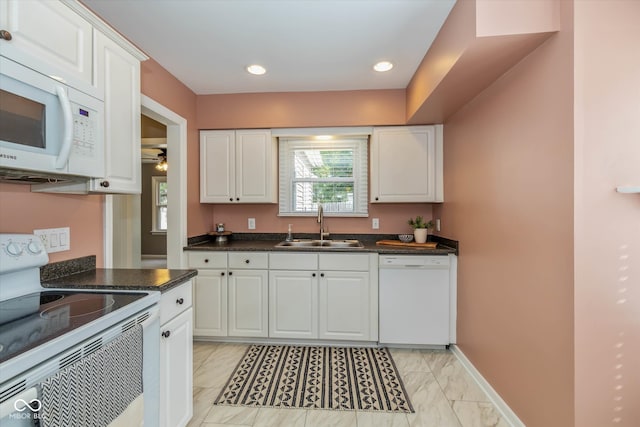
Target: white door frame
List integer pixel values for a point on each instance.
(176, 188)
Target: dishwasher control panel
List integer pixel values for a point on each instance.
(408, 261)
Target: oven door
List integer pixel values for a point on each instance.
(46, 126)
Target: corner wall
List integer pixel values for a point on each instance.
(161, 86)
(509, 201)
(607, 223)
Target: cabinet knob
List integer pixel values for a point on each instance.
(313, 275)
(321, 274)
(230, 273)
(231, 199)
(5, 35)
(222, 274)
(377, 198)
(166, 334)
(180, 301)
(206, 260)
(246, 261)
(104, 184)
(237, 199)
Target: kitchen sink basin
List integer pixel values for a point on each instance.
(321, 244)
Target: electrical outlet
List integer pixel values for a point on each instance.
(55, 239)
(438, 224)
(251, 224)
(375, 223)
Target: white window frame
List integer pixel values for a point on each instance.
(155, 185)
(287, 146)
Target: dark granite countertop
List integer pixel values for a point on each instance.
(267, 242)
(122, 279)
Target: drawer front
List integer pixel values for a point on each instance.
(293, 261)
(249, 260)
(200, 260)
(344, 262)
(175, 301)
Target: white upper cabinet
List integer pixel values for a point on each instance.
(406, 164)
(238, 166)
(49, 37)
(65, 40)
(119, 74)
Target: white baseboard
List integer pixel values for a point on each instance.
(509, 416)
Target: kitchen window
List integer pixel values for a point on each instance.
(159, 208)
(331, 173)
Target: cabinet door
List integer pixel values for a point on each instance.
(119, 73)
(405, 165)
(255, 167)
(344, 305)
(293, 304)
(217, 166)
(49, 37)
(176, 371)
(210, 303)
(248, 303)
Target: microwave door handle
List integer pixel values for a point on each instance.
(67, 138)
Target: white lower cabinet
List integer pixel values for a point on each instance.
(333, 298)
(248, 303)
(344, 305)
(293, 304)
(210, 299)
(230, 294)
(176, 357)
(288, 295)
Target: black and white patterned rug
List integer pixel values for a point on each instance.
(340, 378)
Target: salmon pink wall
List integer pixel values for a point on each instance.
(393, 219)
(158, 84)
(607, 261)
(23, 211)
(306, 109)
(301, 109)
(509, 201)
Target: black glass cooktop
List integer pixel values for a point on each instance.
(31, 320)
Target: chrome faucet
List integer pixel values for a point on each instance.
(323, 234)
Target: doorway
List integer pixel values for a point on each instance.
(155, 197)
(122, 212)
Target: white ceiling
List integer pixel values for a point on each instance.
(306, 45)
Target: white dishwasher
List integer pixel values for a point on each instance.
(414, 299)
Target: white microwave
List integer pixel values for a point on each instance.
(47, 127)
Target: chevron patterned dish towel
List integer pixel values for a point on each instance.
(96, 389)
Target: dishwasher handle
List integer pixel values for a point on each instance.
(414, 261)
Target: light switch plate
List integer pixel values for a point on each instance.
(55, 239)
(251, 224)
(375, 223)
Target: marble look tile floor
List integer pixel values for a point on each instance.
(441, 391)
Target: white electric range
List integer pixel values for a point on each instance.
(45, 330)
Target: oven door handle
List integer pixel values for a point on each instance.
(67, 138)
(25, 401)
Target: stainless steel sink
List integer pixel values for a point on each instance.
(321, 244)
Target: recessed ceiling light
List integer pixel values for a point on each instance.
(383, 66)
(256, 69)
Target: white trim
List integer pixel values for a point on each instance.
(107, 236)
(287, 166)
(154, 203)
(507, 413)
(339, 131)
(176, 178)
